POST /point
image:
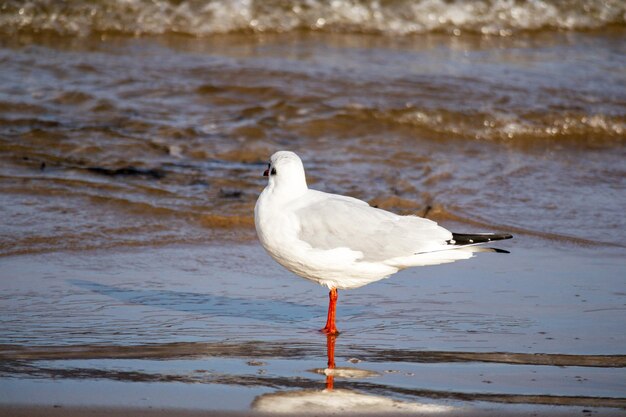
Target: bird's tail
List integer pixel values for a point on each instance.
(482, 249)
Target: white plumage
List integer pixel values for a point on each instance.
(342, 242)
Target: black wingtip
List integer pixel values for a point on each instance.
(473, 238)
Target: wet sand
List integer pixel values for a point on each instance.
(222, 328)
(33, 411)
(107, 412)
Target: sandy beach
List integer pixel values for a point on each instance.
(133, 136)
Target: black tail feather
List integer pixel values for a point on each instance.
(474, 238)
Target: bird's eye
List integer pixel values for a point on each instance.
(273, 171)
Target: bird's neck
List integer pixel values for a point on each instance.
(286, 190)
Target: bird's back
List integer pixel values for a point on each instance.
(335, 221)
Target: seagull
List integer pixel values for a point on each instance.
(341, 242)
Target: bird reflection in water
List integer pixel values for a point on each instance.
(330, 399)
(330, 349)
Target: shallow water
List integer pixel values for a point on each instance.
(497, 330)
(114, 141)
(133, 136)
(211, 294)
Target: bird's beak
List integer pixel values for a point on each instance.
(266, 172)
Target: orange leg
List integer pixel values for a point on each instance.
(330, 349)
(331, 328)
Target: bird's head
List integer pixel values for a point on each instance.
(286, 172)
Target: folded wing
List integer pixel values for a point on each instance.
(334, 222)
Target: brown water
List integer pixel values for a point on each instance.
(133, 136)
(108, 141)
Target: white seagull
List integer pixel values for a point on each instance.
(342, 242)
